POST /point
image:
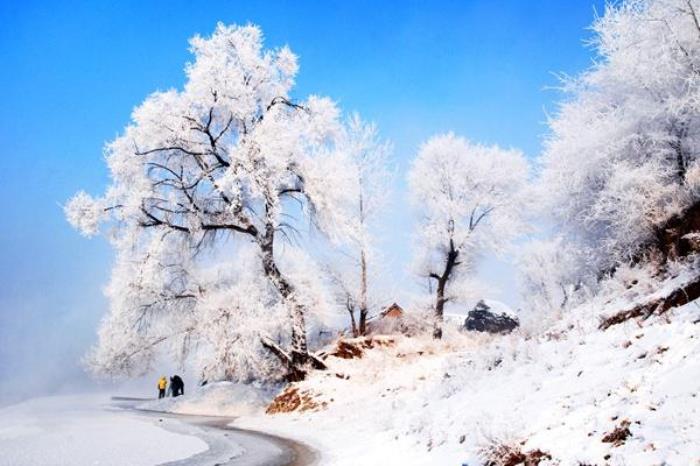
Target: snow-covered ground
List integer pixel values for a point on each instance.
(415, 401)
(219, 399)
(420, 402)
(83, 430)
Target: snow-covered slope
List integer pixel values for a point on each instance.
(78, 430)
(419, 402)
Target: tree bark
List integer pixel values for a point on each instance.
(353, 324)
(439, 309)
(440, 299)
(294, 373)
(363, 293)
(299, 351)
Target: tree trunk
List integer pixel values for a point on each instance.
(680, 132)
(351, 310)
(286, 290)
(363, 293)
(298, 356)
(439, 309)
(440, 299)
(284, 356)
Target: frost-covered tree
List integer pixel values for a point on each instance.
(622, 156)
(353, 269)
(469, 198)
(228, 162)
(550, 274)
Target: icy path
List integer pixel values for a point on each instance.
(229, 445)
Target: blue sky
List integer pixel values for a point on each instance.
(72, 72)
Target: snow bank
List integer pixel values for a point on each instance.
(75, 430)
(421, 402)
(214, 399)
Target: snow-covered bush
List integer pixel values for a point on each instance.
(218, 398)
(553, 276)
(227, 328)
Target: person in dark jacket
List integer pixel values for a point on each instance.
(178, 386)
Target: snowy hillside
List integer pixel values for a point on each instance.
(564, 393)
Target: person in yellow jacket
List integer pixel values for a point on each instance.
(162, 385)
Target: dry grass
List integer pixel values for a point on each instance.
(500, 454)
(619, 434)
(354, 348)
(294, 399)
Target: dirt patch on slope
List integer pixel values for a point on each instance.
(678, 297)
(618, 435)
(508, 455)
(293, 399)
(354, 348)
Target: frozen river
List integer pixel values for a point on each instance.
(229, 445)
(90, 429)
